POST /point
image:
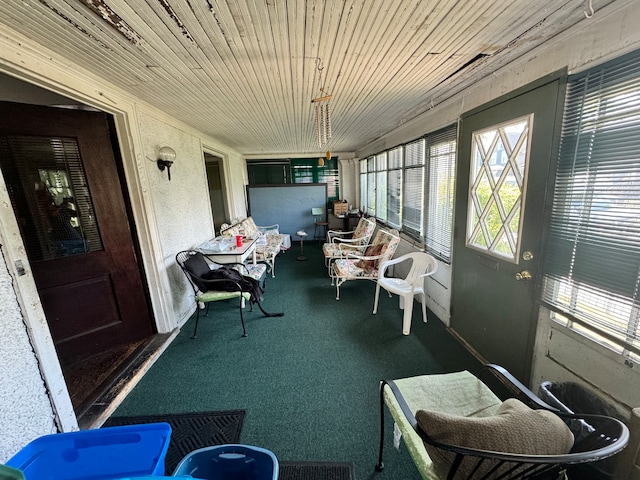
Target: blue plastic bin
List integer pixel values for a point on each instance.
(229, 462)
(100, 454)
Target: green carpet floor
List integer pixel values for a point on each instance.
(308, 380)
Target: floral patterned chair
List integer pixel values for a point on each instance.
(339, 244)
(363, 263)
(269, 243)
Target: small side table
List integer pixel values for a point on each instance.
(302, 234)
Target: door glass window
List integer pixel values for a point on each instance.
(50, 196)
(499, 162)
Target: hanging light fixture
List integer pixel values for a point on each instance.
(322, 111)
(321, 159)
(323, 118)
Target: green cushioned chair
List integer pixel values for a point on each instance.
(195, 267)
(455, 426)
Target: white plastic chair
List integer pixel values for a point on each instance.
(422, 265)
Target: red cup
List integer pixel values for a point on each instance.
(238, 241)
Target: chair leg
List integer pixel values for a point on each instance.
(195, 329)
(380, 464)
(375, 301)
(244, 330)
(424, 308)
(406, 317)
(272, 264)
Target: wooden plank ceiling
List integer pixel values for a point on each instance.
(245, 71)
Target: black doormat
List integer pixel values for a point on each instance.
(191, 431)
(315, 471)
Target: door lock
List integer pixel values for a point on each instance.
(523, 275)
(527, 255)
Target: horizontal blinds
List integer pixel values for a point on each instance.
(594, 242)
(363, 183)
(441, 160)
(381, 187)
(413, 187)
(45, 175)
(394, 188)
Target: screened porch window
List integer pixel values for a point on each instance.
(410, 187)
(592, 267)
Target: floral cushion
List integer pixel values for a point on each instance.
(248, 228)
(348, 268)
(334, 250)
(254, 271)
(385, 243)
(364, 229)
(272, 247)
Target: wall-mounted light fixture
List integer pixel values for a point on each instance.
(166, 157)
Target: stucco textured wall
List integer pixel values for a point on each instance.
(26, 412)
(182, 209)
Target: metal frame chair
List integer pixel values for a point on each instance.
(351, 266)
(340, 243)
(608, 436)
(194, 265)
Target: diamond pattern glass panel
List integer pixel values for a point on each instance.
(496, 187)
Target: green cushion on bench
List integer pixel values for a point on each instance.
(458, 393)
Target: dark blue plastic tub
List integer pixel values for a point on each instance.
(229, 462)
(100, 454)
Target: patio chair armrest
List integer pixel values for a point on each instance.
(350, 248)
(356, 256)
(516, 386)
(386, 264)
(346, 240)
(332, 234)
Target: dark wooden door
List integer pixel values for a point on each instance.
(504, 167)
(60, 170)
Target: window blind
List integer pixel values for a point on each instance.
(592, 263)
(394, 188)
(381, 187)
(371, 186)
(441, 160)
(363, 184)
(413, 188)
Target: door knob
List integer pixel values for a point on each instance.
(523, 275)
